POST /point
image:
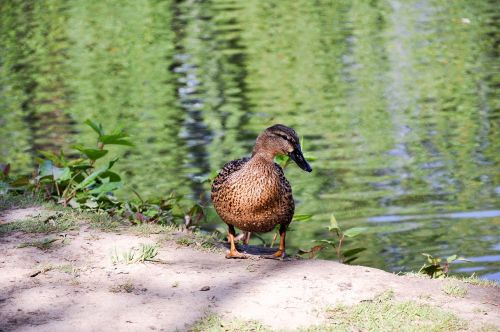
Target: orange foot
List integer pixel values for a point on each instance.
(280, 254)
(236, 254)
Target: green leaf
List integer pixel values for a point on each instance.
(353, 252)
(61, 174)
(355, 231)
(91, 204)
(97, 127)
(282, 160)
(112, 176)
(461, 258)
(81, 167)
(106, 187)
(50, 156)
(45, 169)
(89, 180)
(74, 203)
(302, 217)
(332, 243)
(92, 154)
(334, 226)
(451, 258)
(118, 138)
(351, 260)
(151, 213)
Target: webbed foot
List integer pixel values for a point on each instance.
(278, 255)
(236, 254)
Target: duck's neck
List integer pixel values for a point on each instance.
(263, 157)
(263, 151)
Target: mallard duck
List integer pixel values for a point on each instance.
(253, 194)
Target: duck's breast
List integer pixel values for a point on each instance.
(254, 198)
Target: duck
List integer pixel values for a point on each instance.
(253, 194)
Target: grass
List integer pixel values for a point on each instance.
(53, 218)
(383, 313)
(42, 244)
(475, 280)
(45, 222)
(454, 288)
(103, 221)
(149, 228)
(146, 252)
(199, 240)
(214, 323)
(66, 268)
(12, 201)
(472, 279)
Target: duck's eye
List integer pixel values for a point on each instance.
(285, 137)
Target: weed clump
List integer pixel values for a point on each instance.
(454, 289)
(383, 313)
(145, 253)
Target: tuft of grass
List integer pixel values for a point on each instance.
(146, 252)
(488, 328)
(385, 296)
(127, 287)
(383, 313)
(25, 200)
(475, 280)
(454, 289)
(214, 323)
(45, 222)
(472, 279)
(42, 244)
(150, 228)
(103, 221)
(126, 257)
(199, 240)
(66, 268)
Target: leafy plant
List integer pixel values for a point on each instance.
(82, 183)
(79, 182)
(146, 252)
(438, 268)
(346, 256)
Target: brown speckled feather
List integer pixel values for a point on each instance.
(226, 170)
(253, 195)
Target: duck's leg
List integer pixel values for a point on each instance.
(243, 236)
(246, 238)
(233, 253)
(280, 254)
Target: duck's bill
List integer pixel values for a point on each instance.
(299, 159)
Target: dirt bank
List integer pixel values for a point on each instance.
(72, 283)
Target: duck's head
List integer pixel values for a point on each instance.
(280, 139)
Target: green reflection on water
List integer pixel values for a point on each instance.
(397, 100)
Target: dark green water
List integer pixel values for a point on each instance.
(398, 101)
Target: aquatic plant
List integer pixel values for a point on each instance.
(344, 256)
(438, 268)
(80, 183)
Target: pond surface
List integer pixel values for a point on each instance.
(397, 101)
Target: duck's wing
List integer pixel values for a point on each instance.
(287, 196)
(226, 171)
